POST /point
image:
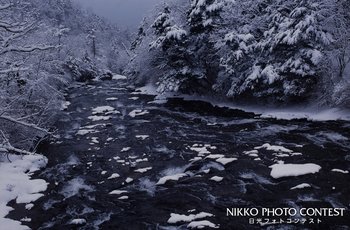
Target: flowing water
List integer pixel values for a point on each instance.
(122, 161)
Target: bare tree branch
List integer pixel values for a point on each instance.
(26, 49)
(35, 127)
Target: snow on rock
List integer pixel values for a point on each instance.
(301, 186)
(29, 206)
(215, 156)
(119, 77)
(102, 109)
(15, 182)
(175, 177)
(340, 171)
(113, 176)
(275, 148)
(149, 89)
(129, 180)
(251, 152)
(287, 170)
(201, 224)
(202, 149)
(118, 192)
(125, 149)
(65, 105)
(143, 170)
(175, 218)
(138, 112)
(225, 161)
(123, 198)
(111, 99)
(78, 221)
(317, 115)
(99, 118)
(83, 132)
(217, 178)
(142, 137)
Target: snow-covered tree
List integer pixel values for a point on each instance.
(284, 63)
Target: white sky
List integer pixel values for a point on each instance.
(126, 13)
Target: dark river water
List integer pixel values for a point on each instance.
(122, 161)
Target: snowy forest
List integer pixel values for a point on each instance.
(101, 123)
(278, 52)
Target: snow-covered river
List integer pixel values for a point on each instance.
(122, 161)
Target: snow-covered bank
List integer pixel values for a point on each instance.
(16, 183)
(311, 113)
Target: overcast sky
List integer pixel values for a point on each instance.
(128, 13)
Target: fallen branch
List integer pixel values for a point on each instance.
(16, 150)
(7, 118)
